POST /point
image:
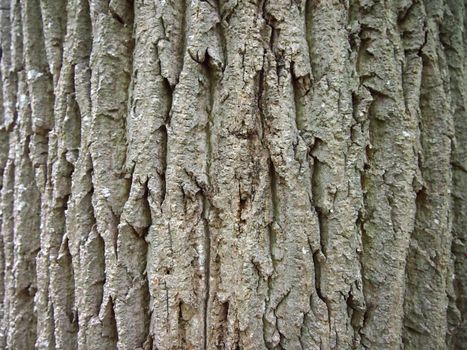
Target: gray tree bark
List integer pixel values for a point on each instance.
(232, 174)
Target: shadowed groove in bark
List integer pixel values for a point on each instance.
(109, 326)
(452, 34)
(172, 44)
(54, 22)
(69, 323)
(431, 240)
(64, 152)
(5, 40)
(108, 141)
(25, 233)
(40, 87)
(7, 237)
(212, 77)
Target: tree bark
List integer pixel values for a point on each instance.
(230, 174)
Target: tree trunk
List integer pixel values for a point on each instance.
(231, 174)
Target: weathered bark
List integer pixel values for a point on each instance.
(233, 174)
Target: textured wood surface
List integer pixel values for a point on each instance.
(233, 174)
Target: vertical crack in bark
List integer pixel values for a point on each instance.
(111, 66)
(427, 271)
(275, 208)
(452, 36)
(109, 326)
(272, 237)
(63, 153)
(319, 256)
(309, 34)
(172, 44)
(7, 237)
(150, 106)
(26, 233)
(210, 72)
(8, 87)
(54, 23)
(207, 270)
(389, 196)
(40, 86)
(184, 32)
(40, 91)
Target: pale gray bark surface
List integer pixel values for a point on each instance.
(232, 174)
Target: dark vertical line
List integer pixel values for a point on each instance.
(209, 70)
(453, 39)
(207, 269)
(309, 29)
(183, 34)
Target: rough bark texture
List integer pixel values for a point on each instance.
(232, 174)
